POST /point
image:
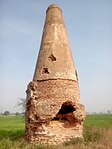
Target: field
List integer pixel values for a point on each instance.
(97, 134)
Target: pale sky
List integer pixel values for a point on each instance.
(89, 27)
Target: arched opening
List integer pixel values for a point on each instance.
(64, 112)
(66, 108)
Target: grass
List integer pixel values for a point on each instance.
(11, 127)
(97, 134)
(11, 122)
(98, 120)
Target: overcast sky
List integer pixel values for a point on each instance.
(89, 27)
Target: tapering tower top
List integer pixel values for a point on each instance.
(53, 6)
(55, 58)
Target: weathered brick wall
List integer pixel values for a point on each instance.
(56, 89)
(44, 100)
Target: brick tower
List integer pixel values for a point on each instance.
(53, 111)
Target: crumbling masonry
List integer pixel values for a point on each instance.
(54, 113)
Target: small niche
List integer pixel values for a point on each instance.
(52, 58)
(45, 70)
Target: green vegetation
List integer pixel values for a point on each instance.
(11, 127)
(97, 134)
(11, 123)
(98, 120)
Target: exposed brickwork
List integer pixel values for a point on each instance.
(44, 123)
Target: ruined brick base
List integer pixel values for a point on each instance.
(54, 114)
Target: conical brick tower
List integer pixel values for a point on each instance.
(53, 112)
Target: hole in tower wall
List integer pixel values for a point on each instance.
(66, 109)
(63, 113)
(52, 58)
(45, 70)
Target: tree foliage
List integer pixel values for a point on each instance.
(17, 113)
(6, 113)
(22, 104)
